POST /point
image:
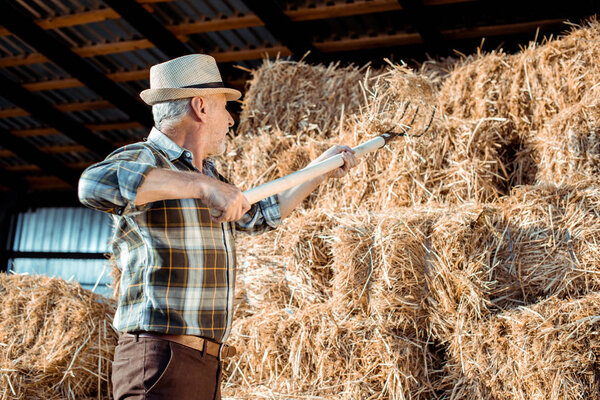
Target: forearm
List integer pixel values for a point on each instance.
(291, 198)
(165, 184)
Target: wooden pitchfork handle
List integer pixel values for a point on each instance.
(278, 185)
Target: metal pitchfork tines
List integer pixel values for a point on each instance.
(388, 136)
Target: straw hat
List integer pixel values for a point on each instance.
(184, 77)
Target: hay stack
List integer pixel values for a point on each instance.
(255, 159)
(466, 253)
(260, 274)
(501, 123)
(315, 353)
(289, 267)
(550, 350)
(543, 83)
(57, 339)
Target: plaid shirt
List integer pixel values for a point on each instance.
(178, 267)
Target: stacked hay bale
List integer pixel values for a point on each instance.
(539, 242)
(57, 340)
(550, 350)
(314, 352)
(300, 99)
(432, 242)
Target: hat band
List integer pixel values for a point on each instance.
(210, 85)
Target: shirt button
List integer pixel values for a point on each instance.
(188, 154)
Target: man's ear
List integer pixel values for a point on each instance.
(198, 105)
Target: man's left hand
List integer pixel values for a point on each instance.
(350, 160)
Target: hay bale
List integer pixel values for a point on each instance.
(313, 353)
(501, 121)
(289, 267)
(569, 144)
(549, 350)
(540, 84)
(380, 263)
(539, 242)
(298, 98)
(307, 253)
(260, 273)
(57, 339)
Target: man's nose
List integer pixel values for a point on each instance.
(231, 121)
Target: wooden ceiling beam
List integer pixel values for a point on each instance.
(43, 110)
(46, 183)
(19, 23)
(398, 39)
(233, 22)
(280, 27)
(52, 84)
(68, 107)
(123, 76)
(250, 54)
(86, 51)
(30, 153)
(497, 30)
(404, 39)
(85, 17)
(80, 18)
(146, 24)
(131, 45)
(216, 24)
(342, 9)
(245, 21)
(56, 149)
(91, 127)
(80, 165)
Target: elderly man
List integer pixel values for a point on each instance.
(175, 305)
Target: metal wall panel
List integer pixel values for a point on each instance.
(64, 230)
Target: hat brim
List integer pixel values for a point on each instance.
(153, 96)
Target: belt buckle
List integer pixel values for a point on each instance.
(230, 351)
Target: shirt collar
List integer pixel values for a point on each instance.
(174, 151)
(162, 141)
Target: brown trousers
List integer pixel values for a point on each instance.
(157, 369)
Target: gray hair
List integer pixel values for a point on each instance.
(170, 111)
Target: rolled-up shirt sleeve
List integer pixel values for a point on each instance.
(111, 185)
(264, 215)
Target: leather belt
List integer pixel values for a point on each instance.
(213, 348)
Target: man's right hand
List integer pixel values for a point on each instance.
(227, 202)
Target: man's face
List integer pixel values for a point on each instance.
(218, 123)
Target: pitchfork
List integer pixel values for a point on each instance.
(296, 178)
